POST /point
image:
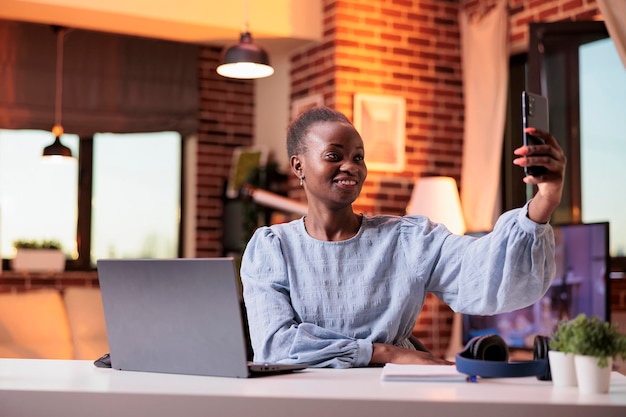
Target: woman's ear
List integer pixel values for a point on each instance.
(296, 165)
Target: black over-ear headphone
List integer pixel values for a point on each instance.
(488, 356)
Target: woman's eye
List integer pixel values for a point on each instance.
(359, 158)
(333, 156)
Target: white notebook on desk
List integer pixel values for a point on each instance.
(431, 373)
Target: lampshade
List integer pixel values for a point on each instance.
(57, 149)
(245, 60)
(438, 199)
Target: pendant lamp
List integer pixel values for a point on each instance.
(245, 60)
(57, 149)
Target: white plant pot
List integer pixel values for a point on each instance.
(562, 369)
(38, 260)
(591, 378)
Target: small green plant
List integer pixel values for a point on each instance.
(561, 340)
(37, 244)
(589, 336)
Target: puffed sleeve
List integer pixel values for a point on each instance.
(276, 333)
(510, 268)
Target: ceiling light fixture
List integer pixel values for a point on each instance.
(245, 60)
(57, 149)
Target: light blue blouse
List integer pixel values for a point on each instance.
(324, 303)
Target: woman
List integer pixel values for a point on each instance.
(341, 289)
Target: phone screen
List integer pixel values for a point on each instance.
(534, 114)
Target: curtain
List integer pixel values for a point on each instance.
(111, 83)
(484, 56)
(614, 12)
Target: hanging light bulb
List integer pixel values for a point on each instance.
(57, 149)
(245, 60)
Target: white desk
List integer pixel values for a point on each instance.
(76, 388)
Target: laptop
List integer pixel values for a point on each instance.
(181, 316)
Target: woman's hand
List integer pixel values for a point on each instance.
(383, 353)
(549, 185)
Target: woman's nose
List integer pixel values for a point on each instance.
(350, 167)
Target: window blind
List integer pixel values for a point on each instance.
(111, 83)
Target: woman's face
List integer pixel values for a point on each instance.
(333, 164)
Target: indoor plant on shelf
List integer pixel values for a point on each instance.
(38, 256)
(594, 344)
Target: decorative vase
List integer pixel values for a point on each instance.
(591, 378)
(562, 369)
(38, 260)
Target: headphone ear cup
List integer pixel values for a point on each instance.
(541, 347)
(474, 346)
(490, 348)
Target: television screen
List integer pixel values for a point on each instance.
(580, 286)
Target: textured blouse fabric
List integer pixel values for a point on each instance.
(323, 303)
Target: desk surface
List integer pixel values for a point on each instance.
(31, 387)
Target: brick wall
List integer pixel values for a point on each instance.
(410, 49)
(398, 48)
(618, 295)
(226, 115)
(526, 11)
(15, 282)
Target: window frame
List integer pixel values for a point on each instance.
(526, 72)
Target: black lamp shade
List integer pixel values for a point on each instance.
(57, 149)
(245, 60)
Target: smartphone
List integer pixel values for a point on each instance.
(534, 114)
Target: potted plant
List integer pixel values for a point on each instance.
(38, 256)
(561, 356)
(594, 344)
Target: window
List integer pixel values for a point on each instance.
(580, 72)
(128, 203)
(37, 197)
(602, 144)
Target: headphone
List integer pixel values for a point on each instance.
(488, 356)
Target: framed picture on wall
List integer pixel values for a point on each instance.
(301, 104)
(381, 122)
(245, 161)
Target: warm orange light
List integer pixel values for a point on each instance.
(438, 199)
